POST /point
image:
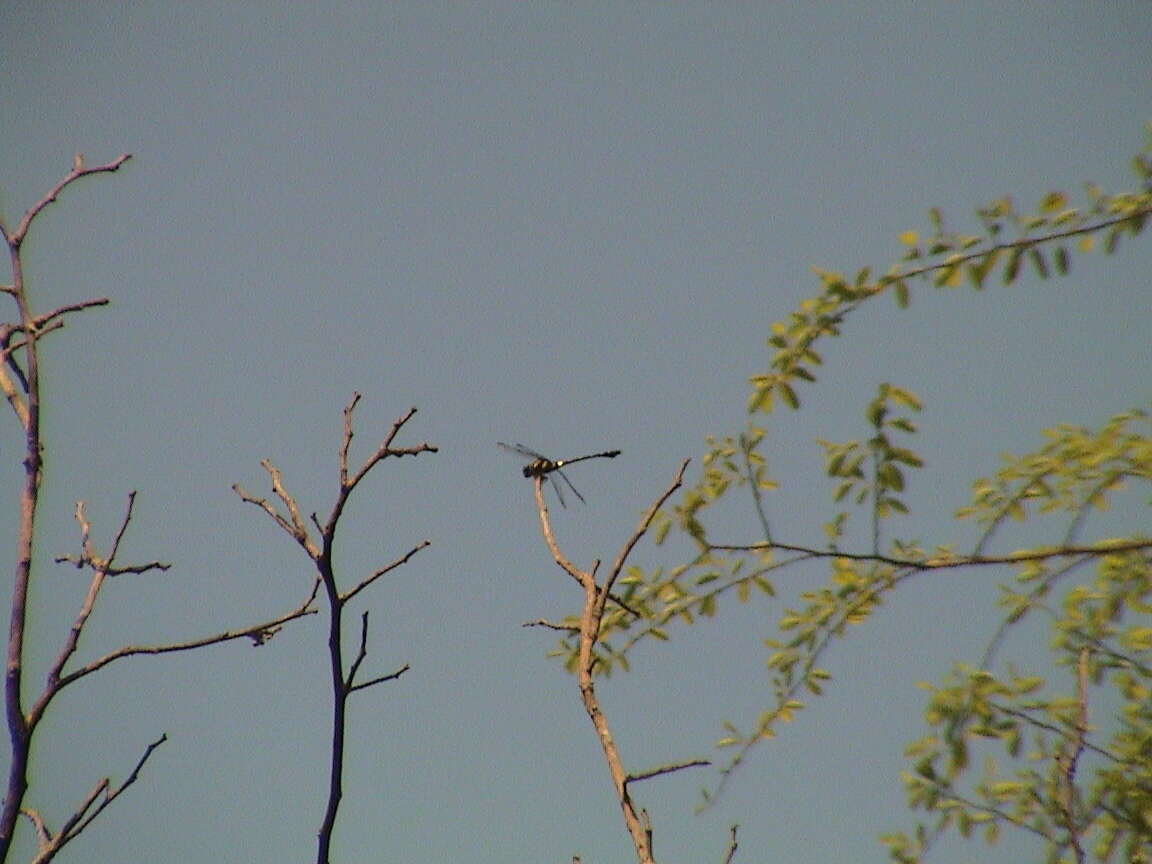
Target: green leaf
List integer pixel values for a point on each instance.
(902, 296)
(899, 454)
(904, 397)
(1038, 262)
(788, 395)
(876, 411)
(1012, 268)
(1053, 202)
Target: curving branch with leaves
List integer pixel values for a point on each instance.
(1090, 801)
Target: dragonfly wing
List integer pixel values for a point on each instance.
(556, 487)
(520, 449)
(575, 491)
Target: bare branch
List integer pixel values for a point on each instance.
(43, 835)
(550, 538)
(296, 532)
(343, 683)
(666, 769)
(389, 677)
(349, 686)
(388, 569)
(562, 628)
(277, 478)
(361, 654)
(258, 633)
(13, 394)
(78, 170)
(383, 451)
(27, 408)
(81, 818)
(50, 317)
(346, 443)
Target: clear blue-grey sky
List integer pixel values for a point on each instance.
(566, 224)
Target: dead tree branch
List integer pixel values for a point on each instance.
(596, 596)
(93, 805)
(20, 342)
(320, 549)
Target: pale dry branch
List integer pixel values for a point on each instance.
(348, 484)
(596, 596)
(346, 442)
(43, 835)
(12, 393)
(50, 317)
(258, 633)
(294, 528)
(103, 567)
(549, 537)
(277, 478)
(78, 170)
(382, 452)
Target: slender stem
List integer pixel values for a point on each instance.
(339, 705)
(20, 733)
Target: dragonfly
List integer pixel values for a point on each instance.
(542, 466)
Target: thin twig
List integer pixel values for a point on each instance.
(641, 529)
(1070, 762)
(78, 170)
(321, 551)
(392, 676)
(595, 597)
(732, 846)
(81, 818)
(944, 563)
(562, 628)
(423, 544)
(666, 769)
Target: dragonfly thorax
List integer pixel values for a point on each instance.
(539, 467)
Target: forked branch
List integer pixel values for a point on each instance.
(596, 595)
(320, 549)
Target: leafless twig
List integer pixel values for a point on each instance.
(320, 551)
(666, 769)
(97, 800)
